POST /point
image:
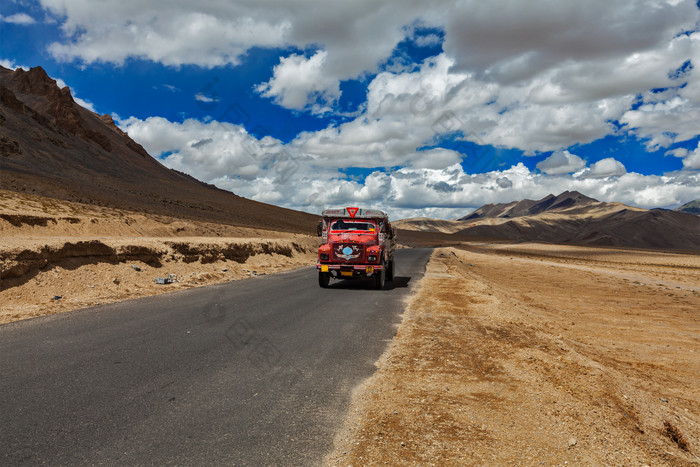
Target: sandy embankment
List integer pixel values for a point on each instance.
(88, 255)
(538, 355)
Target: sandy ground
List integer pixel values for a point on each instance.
(538, 355)
(57, 256)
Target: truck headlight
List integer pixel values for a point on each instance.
(372, 258)
(324, 256)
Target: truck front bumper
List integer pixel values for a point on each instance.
(355, 270)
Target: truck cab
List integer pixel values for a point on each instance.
(356, 244)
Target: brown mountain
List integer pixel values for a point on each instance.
(569, 201)
(569, 218)
(51, 146)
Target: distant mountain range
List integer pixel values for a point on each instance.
(569, 201)
(51, 146)
(692, 207)
(569, 217)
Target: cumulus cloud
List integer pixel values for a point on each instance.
(561, 162)
(298, 81)
(544, 34)
(608, 167)
(113, 31)
(211, 33)
(562, 74)
(357, 36)
(504, 182)
(670, 116)
(268, 170)
(559, 76)
(691, 159)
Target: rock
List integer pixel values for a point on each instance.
(9, 147)
(572, 442)
(470, 264)
(117, 281)
(225, 270)
(135, 268)
(662, 399)
(57, 297)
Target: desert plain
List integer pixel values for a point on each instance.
(507, 354)
(532, 354)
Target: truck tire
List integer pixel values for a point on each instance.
(380, 277)
(323, 279)
(390, 271)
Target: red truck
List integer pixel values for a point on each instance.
(356, 244)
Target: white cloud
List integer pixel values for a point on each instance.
(561, 162)
(608, 167)
(210, 33)
(691, 159)
(559, 76)
(299, 81)
(18, 18)
(11, 65)
(562, 75)
(543, 34)
(269, 171)
(200, 97)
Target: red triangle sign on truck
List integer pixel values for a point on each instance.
(352, 212)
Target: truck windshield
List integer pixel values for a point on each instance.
(353, 225)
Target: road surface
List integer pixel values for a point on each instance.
(252, 372)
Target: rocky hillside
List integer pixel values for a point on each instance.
(53, 147)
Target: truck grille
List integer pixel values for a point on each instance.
(348, 252)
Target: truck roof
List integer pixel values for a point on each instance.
(355, 213)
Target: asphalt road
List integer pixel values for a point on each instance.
(253, 372)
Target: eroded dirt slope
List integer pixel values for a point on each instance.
(57, 255)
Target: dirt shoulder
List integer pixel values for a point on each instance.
(531, 355)
(58, 256)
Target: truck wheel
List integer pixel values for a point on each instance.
(380, 277)
(390, 271)
(323, 279)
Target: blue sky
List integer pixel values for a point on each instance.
(419, 111)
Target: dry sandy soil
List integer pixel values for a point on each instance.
(508, 354)
(88, 255)
(538, 355)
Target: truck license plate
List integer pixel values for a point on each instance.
(324, 268)
(346, 273)
(369, 269)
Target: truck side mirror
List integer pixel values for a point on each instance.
(319, 228)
